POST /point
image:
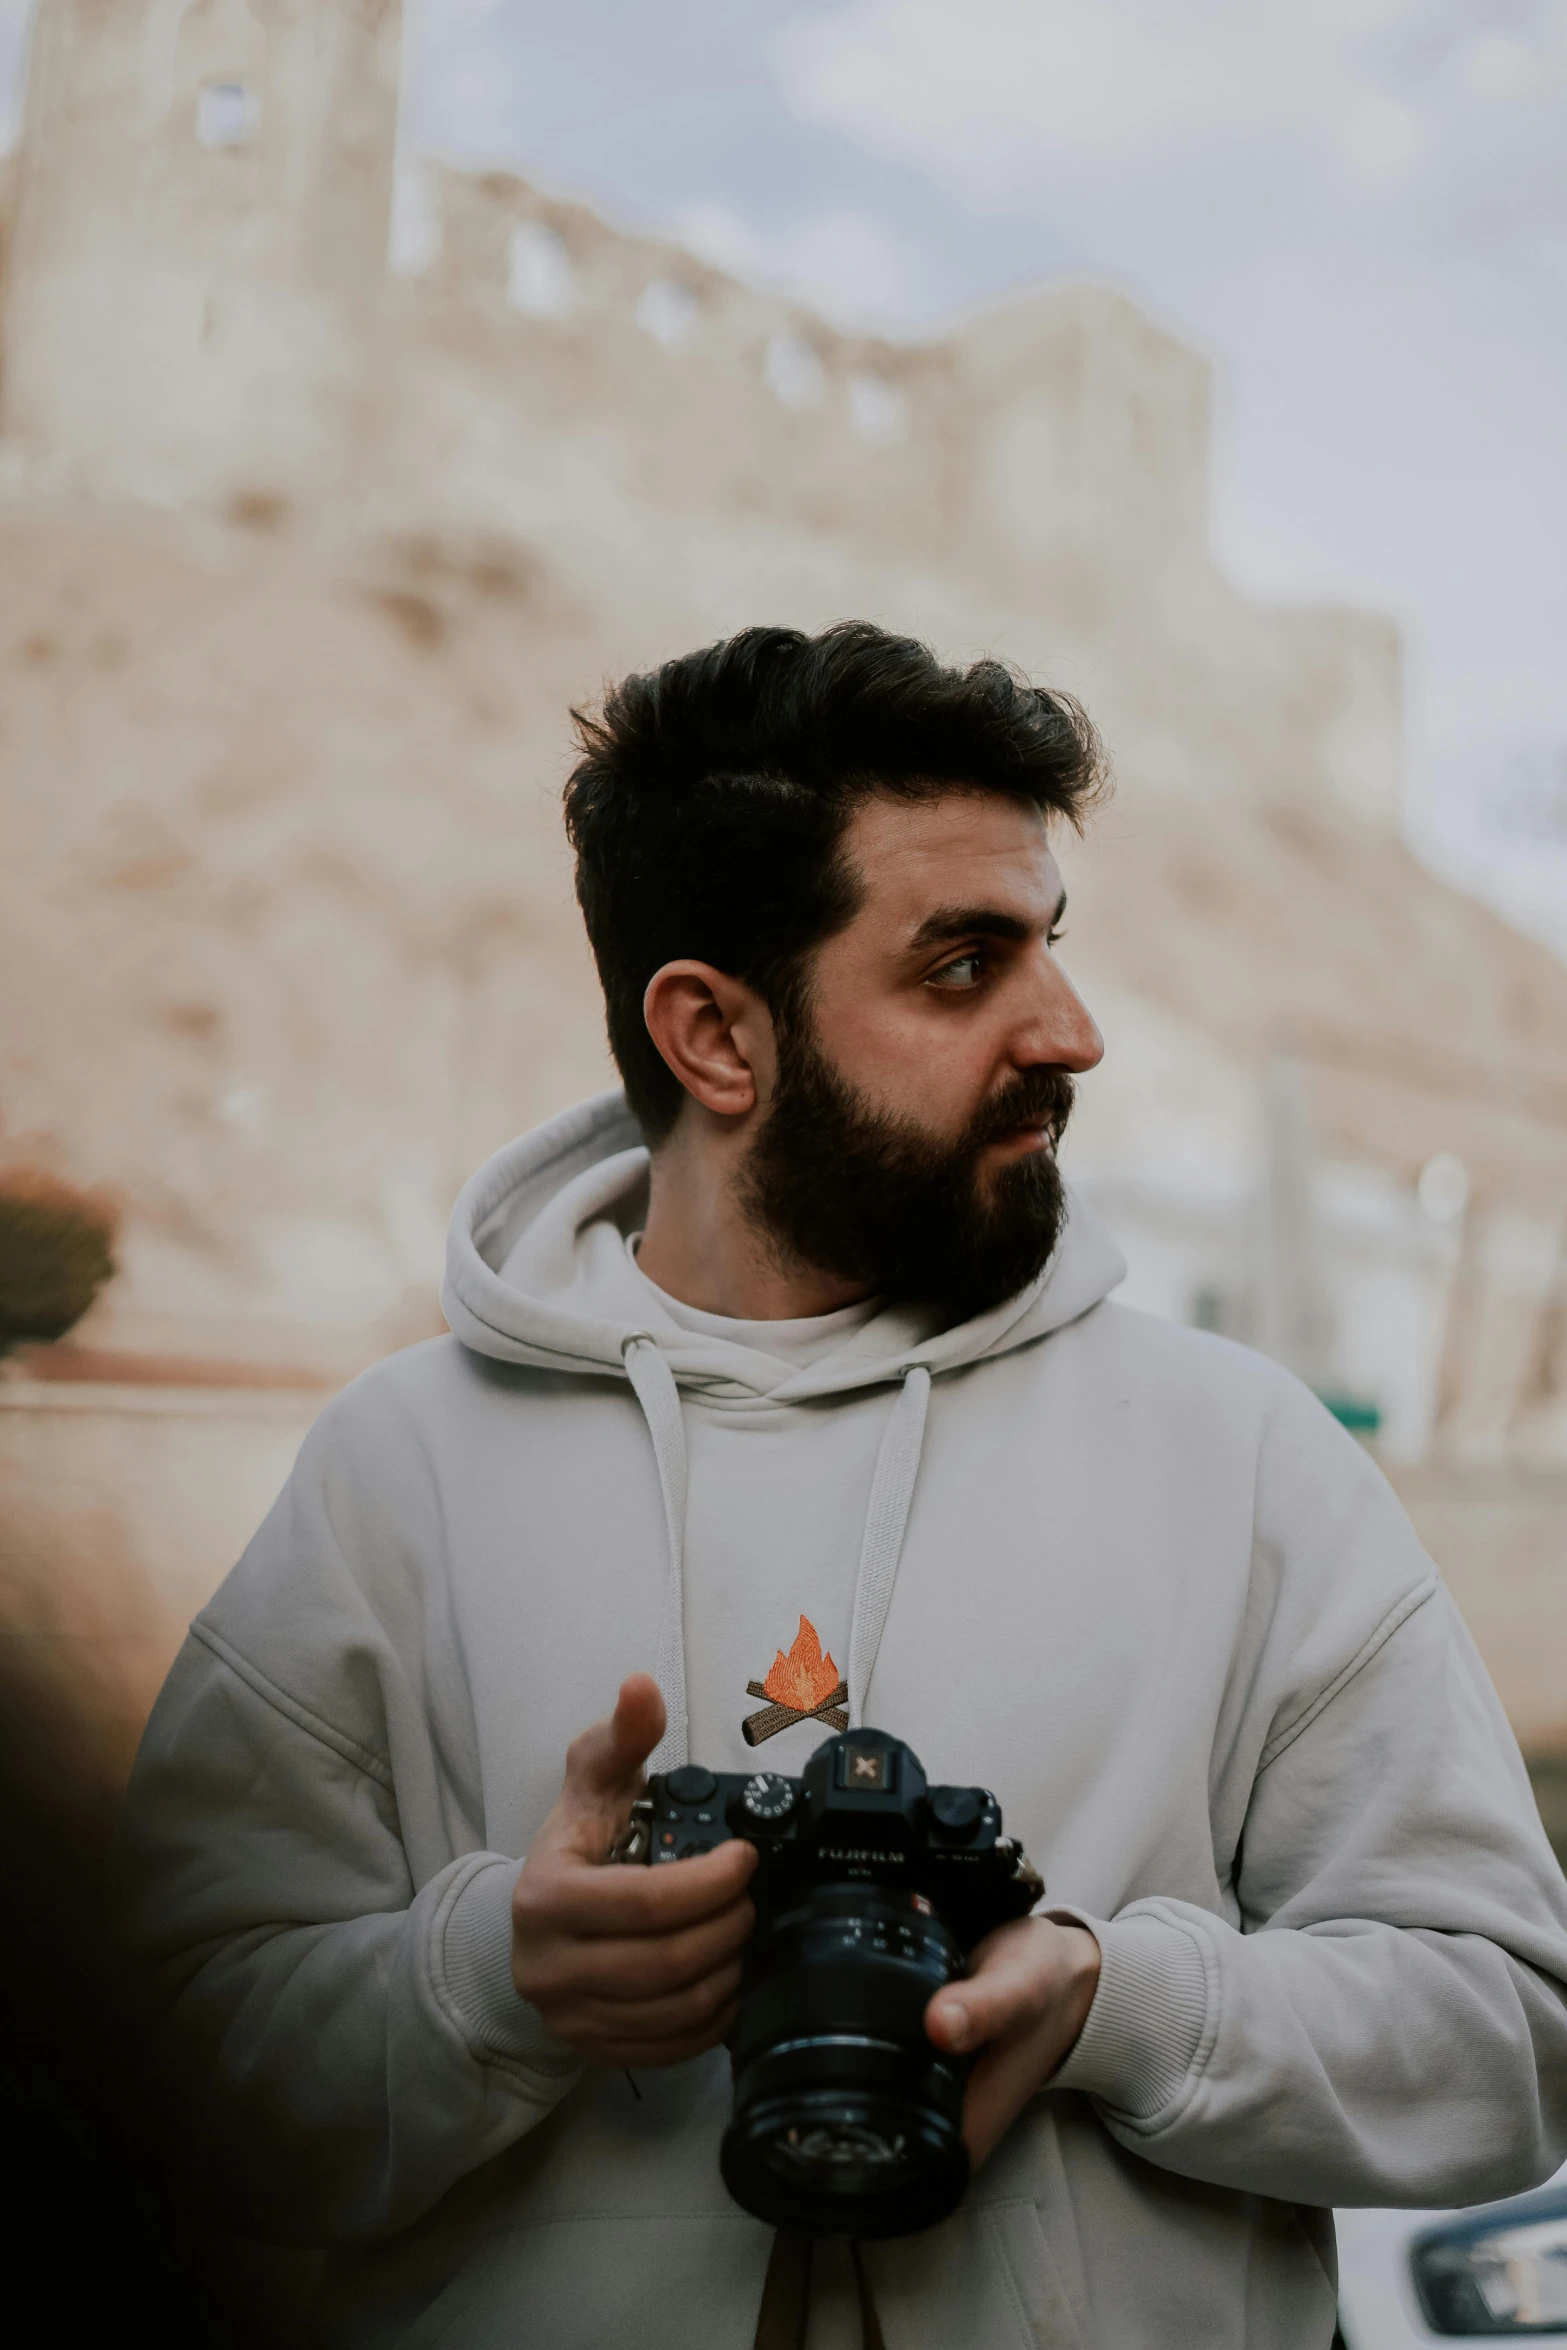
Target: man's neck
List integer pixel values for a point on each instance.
(700, 1246)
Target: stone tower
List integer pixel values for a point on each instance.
(199, 243)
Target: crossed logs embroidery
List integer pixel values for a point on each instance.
(804, 1686)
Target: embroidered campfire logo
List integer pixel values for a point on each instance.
(804, 1687)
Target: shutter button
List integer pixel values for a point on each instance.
(691, 1784)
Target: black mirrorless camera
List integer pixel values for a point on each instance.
(870, 1890)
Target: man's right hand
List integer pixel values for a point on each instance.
(629, 1966)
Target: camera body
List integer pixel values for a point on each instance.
(871, 1887)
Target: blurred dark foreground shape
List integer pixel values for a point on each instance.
(98, 2237)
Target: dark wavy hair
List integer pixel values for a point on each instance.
(708, 807)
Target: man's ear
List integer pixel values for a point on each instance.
(716, 1034)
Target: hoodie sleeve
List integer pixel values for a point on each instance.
(1388, 2022)
(323, 1993)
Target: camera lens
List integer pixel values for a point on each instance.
(847, 2120)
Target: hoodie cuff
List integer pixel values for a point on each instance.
(474, 1959)
(1148, 2018)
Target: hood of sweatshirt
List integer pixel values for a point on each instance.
(530, 1278)
(537, 1274)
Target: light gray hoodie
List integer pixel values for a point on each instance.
(1132, 1577)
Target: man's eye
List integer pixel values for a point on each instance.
(963, 971)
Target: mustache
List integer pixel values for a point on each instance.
(1035, 1097)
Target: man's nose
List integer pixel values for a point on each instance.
(1061, 1032)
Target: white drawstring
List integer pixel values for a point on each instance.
(656, 1392)
(886, 1521)
(892, 1493)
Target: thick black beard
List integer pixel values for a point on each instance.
(846, 1189)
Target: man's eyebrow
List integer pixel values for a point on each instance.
(950, 922)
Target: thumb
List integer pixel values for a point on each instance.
(997, 1999)
(607, 1760)
(604, 1770)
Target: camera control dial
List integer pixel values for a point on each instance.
(957, 1810)
(767, 1799)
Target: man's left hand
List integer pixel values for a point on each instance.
(1024, 2002)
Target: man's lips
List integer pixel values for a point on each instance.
(1020, 1140)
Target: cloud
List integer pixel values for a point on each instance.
(1111, 106)
(999, 98)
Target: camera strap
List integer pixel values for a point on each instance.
(785, 2313)
(870, 2323)
(786, 2297)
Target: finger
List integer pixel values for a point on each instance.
(629, 1968)
(609, 1757)
(1035, 1981)
(675, 2017)
(1001, 1997)
(573, 1897)
(633, 1970)
(604, 1769)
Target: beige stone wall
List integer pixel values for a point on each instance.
(199, 239)
(288, 909)
(1500, 1539)
(287, 934)
(121, 1509)
(301, 567)
(1035, 482)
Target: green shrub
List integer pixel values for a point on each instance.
(56, 1253)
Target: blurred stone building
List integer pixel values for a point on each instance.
(330, 479)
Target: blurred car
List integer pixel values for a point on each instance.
(1497, 2272)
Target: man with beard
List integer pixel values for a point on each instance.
(786, 1391)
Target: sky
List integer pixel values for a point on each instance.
(1358, 208)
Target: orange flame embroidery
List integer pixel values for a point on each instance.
(804, 1677)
